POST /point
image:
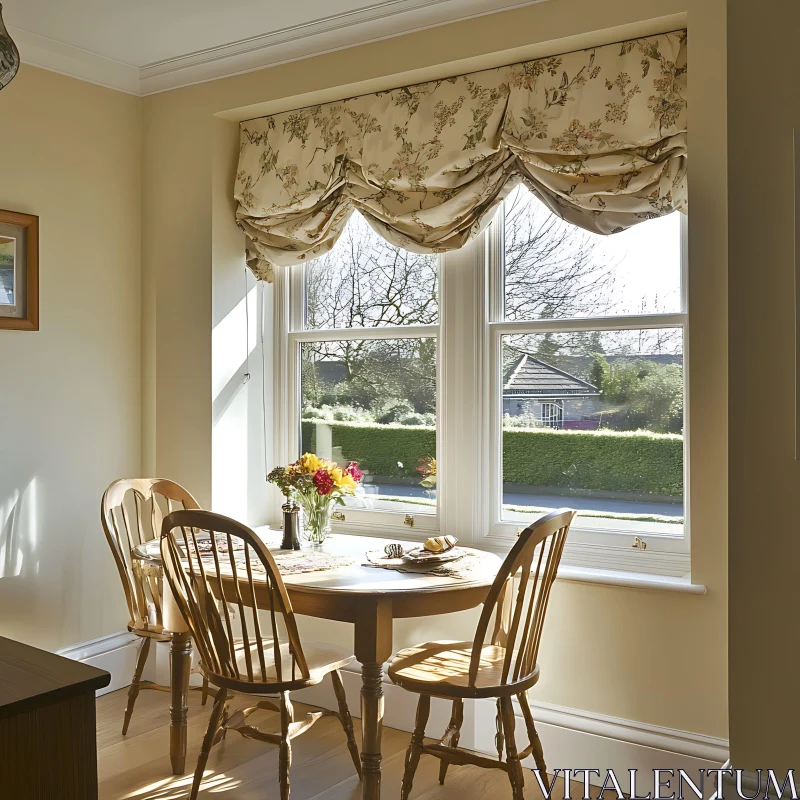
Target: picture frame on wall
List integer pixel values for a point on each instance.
(19, 271)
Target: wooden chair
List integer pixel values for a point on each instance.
(256, 662)
(503, 668)
(131, 513)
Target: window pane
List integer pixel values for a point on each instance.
(555, 270)
(365, 282)
(7, 251)
(374, 402)
(593, 420)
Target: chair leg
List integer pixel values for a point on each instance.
(499, 739)
(452, 734)
(285, 754)
(133, 692)
(533, 735)
(205, 692)
(512, 758)
(415, 747)
(208, 741)
(346, 719)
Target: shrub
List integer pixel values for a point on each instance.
(657, 402)
(395, 411)
(317, 413)
(521, 421)
(636, 462)
(380, 448)
(412, 419)
(351, 414)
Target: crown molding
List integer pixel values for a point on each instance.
(335, 32)
(49, 54)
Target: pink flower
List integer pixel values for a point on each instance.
(323, 481)
(354, 472)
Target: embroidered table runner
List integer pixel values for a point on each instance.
(289, 562)
(293, 562)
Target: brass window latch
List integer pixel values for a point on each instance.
(639, 544)
(409, 520)
(338, 516)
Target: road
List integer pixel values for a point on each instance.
(556, 501)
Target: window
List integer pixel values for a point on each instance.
(540, 366)
(365, 347)
(552, 415)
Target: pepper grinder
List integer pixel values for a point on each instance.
(291, 523)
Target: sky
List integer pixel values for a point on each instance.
(646, 260)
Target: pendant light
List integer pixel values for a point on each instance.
(9, 55)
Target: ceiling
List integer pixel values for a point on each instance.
(154, 45)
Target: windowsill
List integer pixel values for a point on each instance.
(608, 577)
(632, 580)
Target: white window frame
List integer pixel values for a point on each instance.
(636, 546)
(291, 333)
(469, 399)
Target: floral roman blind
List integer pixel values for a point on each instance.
(598, 135)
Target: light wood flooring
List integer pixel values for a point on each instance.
(137, 767)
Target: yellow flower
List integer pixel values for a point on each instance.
(343, 481)
(308, 463)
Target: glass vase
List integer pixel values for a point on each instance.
(316, 520)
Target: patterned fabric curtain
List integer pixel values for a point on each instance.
(598, 135)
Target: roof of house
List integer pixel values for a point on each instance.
(530, 377)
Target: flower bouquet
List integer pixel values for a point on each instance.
(317, 484)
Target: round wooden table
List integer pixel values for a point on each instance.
(369, 598)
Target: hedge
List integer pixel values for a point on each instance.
(378, 448)
(641, 463)
(636, 462)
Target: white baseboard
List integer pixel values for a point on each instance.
(572, 738)
(115, 653)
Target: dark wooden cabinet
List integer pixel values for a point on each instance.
(48, 744)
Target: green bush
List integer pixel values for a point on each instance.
(635, 462)
(640, 462)
(378, 448)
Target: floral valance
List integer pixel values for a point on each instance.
(598, 135)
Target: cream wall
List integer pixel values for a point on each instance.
(763, 108)
(70, 394)
(652, 656)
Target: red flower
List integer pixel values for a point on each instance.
(323, 481)
(354, 472)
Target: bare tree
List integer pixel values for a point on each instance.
(364, 283)
(551, 271)
(551, 268)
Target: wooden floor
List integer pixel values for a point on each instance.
(137, 766)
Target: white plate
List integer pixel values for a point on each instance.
(420, 556)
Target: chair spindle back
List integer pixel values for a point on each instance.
(206, 556)
(131, 512)
(519, 615)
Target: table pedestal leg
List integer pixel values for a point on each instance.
(180, 657)
(371, 728)
(373, 645)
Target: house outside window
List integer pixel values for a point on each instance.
(540, 366)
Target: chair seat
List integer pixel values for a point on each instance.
(322, 658)
(441, 669)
